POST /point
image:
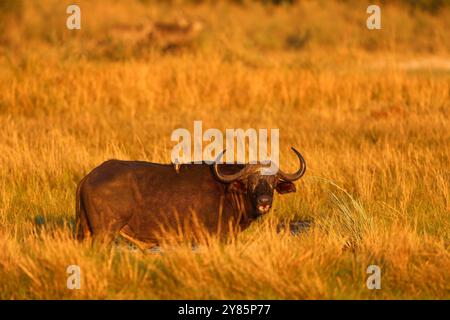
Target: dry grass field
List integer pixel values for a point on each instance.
(368, 109)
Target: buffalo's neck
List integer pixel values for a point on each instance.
(242, 209)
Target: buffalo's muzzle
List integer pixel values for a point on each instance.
(264, 203)
(263, 209)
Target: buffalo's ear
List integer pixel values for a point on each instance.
(237, 186)
(285, 187)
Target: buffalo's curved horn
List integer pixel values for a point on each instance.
(226, 178)
(300, 172)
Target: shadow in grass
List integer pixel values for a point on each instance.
(295, 227)
(42, 222)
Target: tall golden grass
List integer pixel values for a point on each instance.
(375, 134)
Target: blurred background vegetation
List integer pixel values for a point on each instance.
(408, 26)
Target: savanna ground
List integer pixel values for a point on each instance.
(369, 110)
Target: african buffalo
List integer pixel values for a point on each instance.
(138, 199)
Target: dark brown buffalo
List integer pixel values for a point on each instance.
(138, 199)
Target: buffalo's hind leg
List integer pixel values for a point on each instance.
(106, 227)
(127, 234)
(108, 232)
(82, 228)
